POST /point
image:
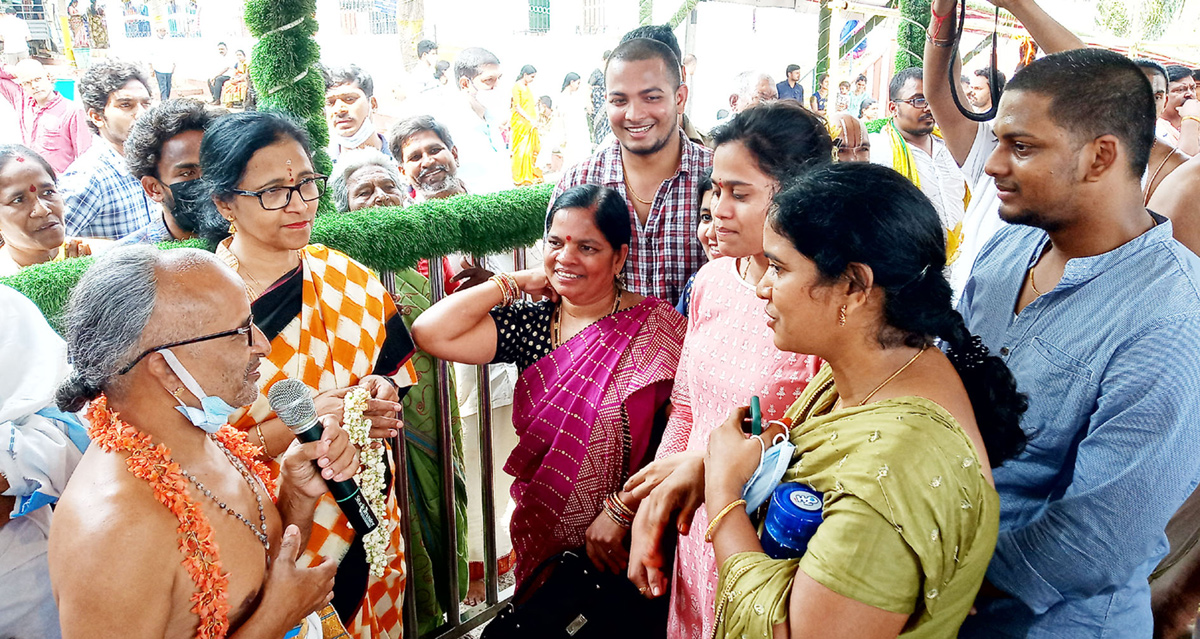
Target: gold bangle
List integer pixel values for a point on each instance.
(261, 438)
(1192, 118)
(712, 525)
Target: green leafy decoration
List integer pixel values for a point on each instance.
(285, 72)
(1140, 20)
(910, 36)
(385, 238)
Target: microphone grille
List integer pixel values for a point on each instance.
(292, 402)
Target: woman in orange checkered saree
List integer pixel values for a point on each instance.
(331, 324)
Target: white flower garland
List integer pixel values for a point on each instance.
(370, 477)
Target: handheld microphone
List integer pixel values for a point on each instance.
(293, 403)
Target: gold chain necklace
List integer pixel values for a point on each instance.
(634, 194)
(889, 379)
(1032, 285)
(556, 319)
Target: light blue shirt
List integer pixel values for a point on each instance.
(1110, 360)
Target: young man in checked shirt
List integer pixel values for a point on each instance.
(652, 165)
(103, 198)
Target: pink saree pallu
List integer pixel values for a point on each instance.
(584, 415)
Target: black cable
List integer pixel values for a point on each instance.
(993, 72)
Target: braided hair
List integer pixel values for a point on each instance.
(840, 214)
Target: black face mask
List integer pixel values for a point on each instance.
(194, 211)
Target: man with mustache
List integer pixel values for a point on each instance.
(428, 157)
(349, 104)
(908, 145)
(163, 153)
(652, 165)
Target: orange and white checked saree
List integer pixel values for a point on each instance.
(331, 323)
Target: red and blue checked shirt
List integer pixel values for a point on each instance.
(665, 251)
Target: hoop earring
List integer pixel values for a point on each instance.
(842, 316)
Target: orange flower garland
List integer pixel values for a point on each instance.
(153, 463)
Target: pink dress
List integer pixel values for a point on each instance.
(728, 356)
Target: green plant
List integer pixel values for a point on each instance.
(286, 72)
(910, 36)
(385, 238)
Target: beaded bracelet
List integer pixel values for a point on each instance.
(712, 525)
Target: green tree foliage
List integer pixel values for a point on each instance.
(1139, 20)
(910, 37)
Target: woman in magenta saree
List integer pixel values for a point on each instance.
(597, 367)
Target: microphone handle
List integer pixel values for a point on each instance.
(346, 493)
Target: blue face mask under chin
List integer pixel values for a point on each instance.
(214, 412)
(774, 463)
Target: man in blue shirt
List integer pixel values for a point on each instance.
(790, 88)
(1096, 310)
(103, 198)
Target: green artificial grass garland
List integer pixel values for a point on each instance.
(385, 239)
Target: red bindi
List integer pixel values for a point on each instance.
(32, 188)
(20, 159)
(568, 238)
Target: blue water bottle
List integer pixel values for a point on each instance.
(792, 519)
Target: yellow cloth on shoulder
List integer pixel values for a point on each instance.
(910, 522)
(904, 164)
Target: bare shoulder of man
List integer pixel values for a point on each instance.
(113, 554)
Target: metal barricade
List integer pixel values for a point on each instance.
(456, 626)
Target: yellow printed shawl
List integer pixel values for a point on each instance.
(333, 343)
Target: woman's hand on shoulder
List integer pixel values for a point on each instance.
(536, 284)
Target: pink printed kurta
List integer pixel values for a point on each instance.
(728, 356)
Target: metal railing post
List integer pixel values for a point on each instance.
(437, 287)
(487, 477)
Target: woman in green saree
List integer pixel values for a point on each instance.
(897, 436)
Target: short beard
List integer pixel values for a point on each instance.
(436, 189)
(655, 148)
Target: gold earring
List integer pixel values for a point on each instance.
(176, 393)
(232, 226)
(842, 316)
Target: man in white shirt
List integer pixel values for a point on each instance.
(476, 113)
(909, 146)
(162, 62)
(16, 36)
(224, 67)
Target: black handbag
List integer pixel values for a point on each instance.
(568, 597)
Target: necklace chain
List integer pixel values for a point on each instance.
(634, 193)
(1032, 285)
(261, 532)
(556, 319)
(889, 379)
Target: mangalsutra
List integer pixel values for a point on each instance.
(556, 318)
(886, 381)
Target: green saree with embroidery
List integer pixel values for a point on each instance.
(910, 521)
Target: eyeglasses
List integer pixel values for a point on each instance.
(918, 102)
(246, 329)
(278, 197)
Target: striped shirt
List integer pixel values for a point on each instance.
(1110, 360)
(664, 251)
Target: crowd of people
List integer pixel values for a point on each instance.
(972, 348)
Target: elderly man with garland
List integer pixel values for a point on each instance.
(170, 526)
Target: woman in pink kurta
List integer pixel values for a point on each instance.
(728, 354)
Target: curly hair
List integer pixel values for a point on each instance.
(104, 78)
(165, 120)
